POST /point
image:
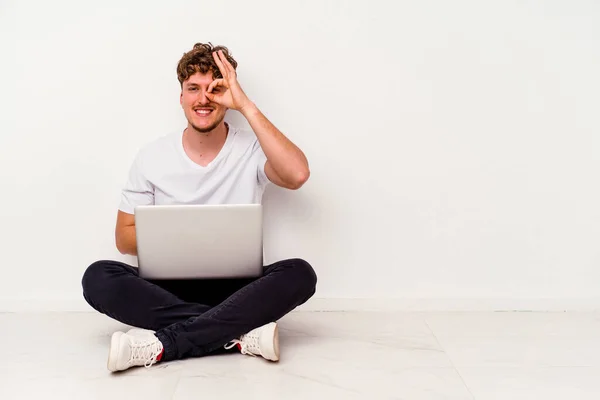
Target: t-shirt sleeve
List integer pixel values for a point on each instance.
(138, 191)
(261, 160)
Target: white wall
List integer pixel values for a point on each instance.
(454, 146)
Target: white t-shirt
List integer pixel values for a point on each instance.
(162, 173)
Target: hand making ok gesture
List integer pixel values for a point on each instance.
(227, 91)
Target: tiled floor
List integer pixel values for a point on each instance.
(324, 356)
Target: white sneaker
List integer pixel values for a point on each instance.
(140, 332)
(263, 341)
(137, 348)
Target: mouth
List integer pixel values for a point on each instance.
(203, 112)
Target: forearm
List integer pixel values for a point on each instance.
(126, 240)
(288, 161)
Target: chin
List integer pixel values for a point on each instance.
(207, 128)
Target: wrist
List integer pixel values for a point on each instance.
(249, 110)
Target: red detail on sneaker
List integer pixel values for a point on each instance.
(239, 346)
(160, 355)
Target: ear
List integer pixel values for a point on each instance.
(181, 98)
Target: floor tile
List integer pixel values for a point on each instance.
(560, 383)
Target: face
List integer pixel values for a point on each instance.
(201, 113)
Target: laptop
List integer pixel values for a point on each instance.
(199, 241)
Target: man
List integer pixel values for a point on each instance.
(210, 162)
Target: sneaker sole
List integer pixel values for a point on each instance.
(276, 342)
(113, 353)
(271, 333)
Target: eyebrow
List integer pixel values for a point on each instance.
(196, 85)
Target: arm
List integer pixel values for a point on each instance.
(286, 164)
(125, 234)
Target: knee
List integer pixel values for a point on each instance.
(93, 280)
(304, 275)
(91, 275)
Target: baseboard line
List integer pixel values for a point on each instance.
(321, 304)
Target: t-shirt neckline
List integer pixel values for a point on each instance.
(228, 139)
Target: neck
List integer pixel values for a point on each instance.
(205, 141)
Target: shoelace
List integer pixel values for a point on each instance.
(248, 343)
(147, 352)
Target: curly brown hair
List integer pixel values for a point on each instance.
(200, 59)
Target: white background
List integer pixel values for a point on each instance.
(454, 146)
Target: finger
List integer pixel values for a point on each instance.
(226, 62)
(216, 83)
(213, 98)
(222, 68)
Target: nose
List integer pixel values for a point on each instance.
(202, 99)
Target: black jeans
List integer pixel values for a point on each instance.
(194, 317)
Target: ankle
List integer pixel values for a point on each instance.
(168, 353)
